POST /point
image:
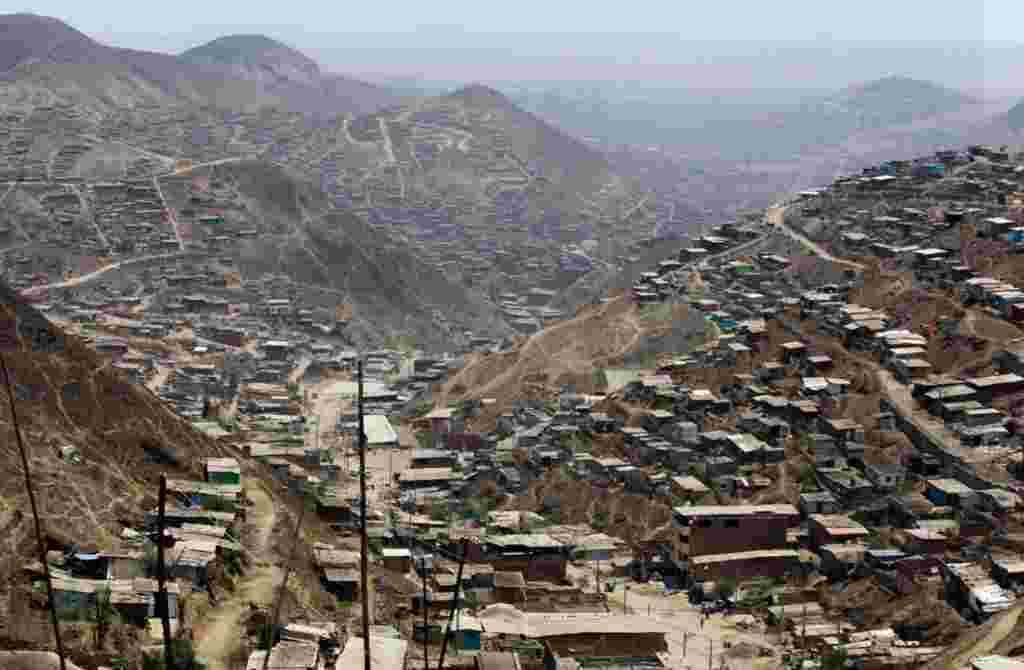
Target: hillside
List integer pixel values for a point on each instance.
(255, 57)
(232, 72)
(390, 287)
(438, 206)
(534, 139)
(125, 435)
(27, 38)
(572, 352)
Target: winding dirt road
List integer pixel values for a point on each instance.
(776, 216)
(221, 630)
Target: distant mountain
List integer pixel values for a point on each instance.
(256, 57)
(237, 71)
(27, 38)
(898, 99)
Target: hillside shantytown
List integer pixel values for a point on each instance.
(617, 415)
(826, 473)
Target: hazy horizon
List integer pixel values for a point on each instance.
(725, 46)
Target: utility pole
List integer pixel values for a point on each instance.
(803, 630)
(161, 578)
(364, 549)
(35, 515)
(426, 624)
(455, 604)
(711, 647)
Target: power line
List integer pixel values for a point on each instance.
(363, 540)
(35, 516)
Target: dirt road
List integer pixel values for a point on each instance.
(689, 643)
(777, 217)
(221, 631)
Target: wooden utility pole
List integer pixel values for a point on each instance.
(711, 648)
(455, 603)
(161, 578)
(364, 545)
(35, 515)
(426, 608)
(803, 630)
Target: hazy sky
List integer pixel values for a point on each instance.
(723, 19)
(468, 39)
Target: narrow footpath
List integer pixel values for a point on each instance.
(222, 631)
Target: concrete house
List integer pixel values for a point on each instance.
(828, 529)
(725, 529)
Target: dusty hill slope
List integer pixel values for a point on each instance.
(566, 353)
(1000, 635)
(71, 397)
(45, 52)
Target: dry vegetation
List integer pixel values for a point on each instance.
(125, 435)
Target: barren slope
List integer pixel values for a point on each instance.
(569, 352)
(125, 435)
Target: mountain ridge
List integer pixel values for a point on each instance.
(273, 74)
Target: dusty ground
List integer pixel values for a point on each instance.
(721, 636)
(999, 635)
(326, 405)
(122, 432)
(631, 517)
(568, 352)
(220, 632)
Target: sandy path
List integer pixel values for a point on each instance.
(220, 633)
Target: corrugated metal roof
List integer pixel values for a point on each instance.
(378, 430)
